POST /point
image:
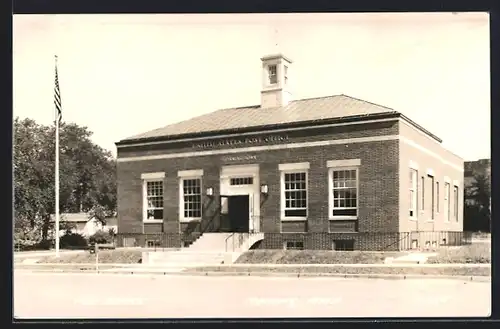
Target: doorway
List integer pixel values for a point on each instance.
(238, 214)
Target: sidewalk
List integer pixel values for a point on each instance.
(171, 272)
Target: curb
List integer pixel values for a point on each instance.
(274, 274)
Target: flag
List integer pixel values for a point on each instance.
(57, 98)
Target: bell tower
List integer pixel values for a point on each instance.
(275, 81)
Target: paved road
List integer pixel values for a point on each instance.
(50, 295)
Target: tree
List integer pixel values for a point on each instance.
(86, 174)
(477, 212)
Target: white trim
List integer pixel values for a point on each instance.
(293, 219)
(260, 148)
(261, 132)
(413, 165)
(240, 170)
(427, 135)
(282, 190)
(289, 146)
(183, 219)
(343, 163)
(294, 166)
(153, 221)
(190, 173)
(145, 182)
(456, 183)
(415, 195)
(330, 193)
(153, 175)
(188, 220)
(430, 172)
(423, 149)
(447, 179)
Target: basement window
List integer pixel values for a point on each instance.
(294, 245)
(153, 243)
(343, 245)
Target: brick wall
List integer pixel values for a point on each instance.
(429, 155)
(378, 184)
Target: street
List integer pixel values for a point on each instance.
(52, 295)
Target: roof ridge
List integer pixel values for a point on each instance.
(362, 100)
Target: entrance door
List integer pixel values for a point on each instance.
(238, 213)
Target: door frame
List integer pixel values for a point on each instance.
(252, 190)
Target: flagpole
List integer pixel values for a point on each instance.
(57, 176)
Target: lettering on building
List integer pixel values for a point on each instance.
(239, 158)
(242, 141)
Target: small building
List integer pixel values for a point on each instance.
(81, 223)
(332, 172)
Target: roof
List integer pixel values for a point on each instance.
(313, 110)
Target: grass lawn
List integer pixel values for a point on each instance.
(117, 256)
(454, 271)
(314, 257)
(476, 253)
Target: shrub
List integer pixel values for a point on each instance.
(101, 237)
(72, 240)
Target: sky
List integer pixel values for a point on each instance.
(121, 75)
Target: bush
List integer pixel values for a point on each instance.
(72, 240)
(101, 237)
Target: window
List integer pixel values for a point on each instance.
(455, 201)
(154, 200)
(343, 245)
(294, 245)
(432, 195)
(446, 202)
(296, 194)
(191, 191)
(241, 181)
(437, 197)
(273, 74)
(153, 243)
(422, 187)
(413, 193)
(344, 194)
(286, 74)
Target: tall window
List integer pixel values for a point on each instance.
(422, 187)
(295, 194)
(447, 202)
(286, 74)
(413, 193)
(154, 200)
(344, 185)
(455, 203)
(191, 198)
(273, 74)
(437, 197)
(432, 196)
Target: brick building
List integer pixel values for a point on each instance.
(320, 173)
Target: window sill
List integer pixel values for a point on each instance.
(344, 218)
(189, 220)
(293, 219)
(152, 220)
(430, 221)
(413, 219)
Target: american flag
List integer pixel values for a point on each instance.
(57, 97)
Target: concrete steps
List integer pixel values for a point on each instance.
(210, 241)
